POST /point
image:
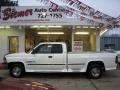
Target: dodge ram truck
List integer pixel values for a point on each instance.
(52, 57)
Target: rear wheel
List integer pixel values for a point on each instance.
(17, 70)
(94, 71)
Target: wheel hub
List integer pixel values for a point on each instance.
(95, 72)
(16, 71)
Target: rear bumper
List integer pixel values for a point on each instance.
(118, 66)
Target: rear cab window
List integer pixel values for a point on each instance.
(57, 48)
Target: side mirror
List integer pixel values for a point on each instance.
(33, 52)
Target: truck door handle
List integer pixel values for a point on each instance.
(49, 56)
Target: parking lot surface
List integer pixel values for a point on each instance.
(74, 81)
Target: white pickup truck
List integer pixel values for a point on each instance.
(53, 57)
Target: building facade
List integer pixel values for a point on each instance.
(22, 28)
(111, 39)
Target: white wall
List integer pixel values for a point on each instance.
(4, 33)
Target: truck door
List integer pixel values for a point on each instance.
(59, 58)
(49, 57)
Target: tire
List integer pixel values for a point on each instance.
(17, 70)
(94, 72)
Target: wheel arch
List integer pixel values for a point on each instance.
(96, 63)
(13, 63)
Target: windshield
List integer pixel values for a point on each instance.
(30, 50)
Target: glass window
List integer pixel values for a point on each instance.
(13, 44)
(57, 48)
(45, 48)
(48, 48)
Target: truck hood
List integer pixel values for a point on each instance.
(16, 54)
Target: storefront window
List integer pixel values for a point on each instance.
(86, 39)
(33, 38)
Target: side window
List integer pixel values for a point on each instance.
(57, 48)
(45, 48)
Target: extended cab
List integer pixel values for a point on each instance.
(53, 57)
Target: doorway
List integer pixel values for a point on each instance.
(13, 44)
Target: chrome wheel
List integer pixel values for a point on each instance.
(95, 72)
(16, 71)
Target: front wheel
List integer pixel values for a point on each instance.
(94, 71)
(17, 70)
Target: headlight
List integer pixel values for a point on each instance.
(4, 59)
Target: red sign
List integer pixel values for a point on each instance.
(10, 13)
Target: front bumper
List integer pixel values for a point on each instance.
(3, 66)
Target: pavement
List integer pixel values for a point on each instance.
(74, 81)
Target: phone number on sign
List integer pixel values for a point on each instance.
(50, 15)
